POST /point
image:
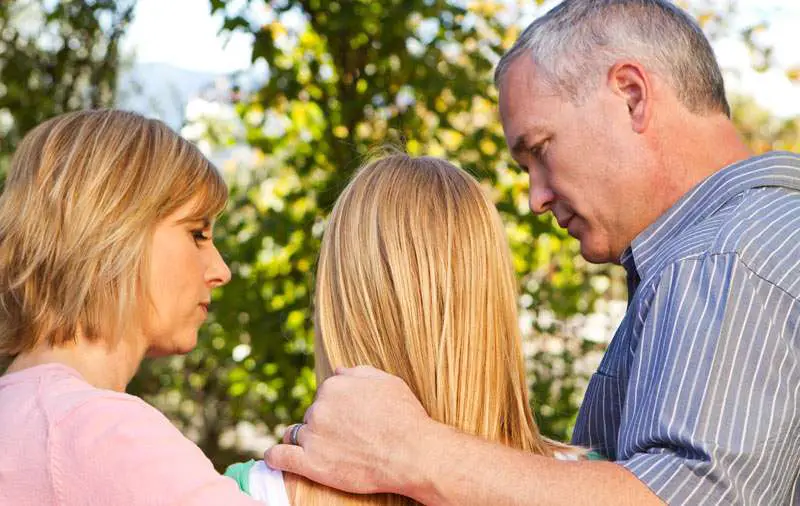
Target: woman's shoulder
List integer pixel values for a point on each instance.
(71, 434)
(131, 453)
(106, 416)
(73, 414)
(62, 394)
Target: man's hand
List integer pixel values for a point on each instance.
(367, 433)
(362, 434)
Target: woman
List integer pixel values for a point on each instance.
(105, 256)
(415, 278)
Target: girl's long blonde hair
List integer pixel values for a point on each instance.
(415, 277)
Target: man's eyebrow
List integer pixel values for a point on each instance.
(521, 142)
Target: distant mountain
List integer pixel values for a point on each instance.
(161, 90)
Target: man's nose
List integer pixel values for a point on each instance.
(541, 196)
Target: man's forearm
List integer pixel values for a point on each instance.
(456, 469)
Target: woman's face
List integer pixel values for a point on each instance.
(184, 267)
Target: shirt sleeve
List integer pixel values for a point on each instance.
(711, 411)
(240, 473)
(119, 450)
(260, 482)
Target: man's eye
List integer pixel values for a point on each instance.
(538, 150)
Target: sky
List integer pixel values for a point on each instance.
(184, 34)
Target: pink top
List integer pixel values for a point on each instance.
(64, 442)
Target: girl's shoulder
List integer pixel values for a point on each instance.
(576, 456)
(256, 479)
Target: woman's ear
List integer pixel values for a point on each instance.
(631, 83)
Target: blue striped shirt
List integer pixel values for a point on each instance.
(698, 394)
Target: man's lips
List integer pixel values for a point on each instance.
(564, 222)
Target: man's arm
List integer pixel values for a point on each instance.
(367, 433)
(708, 417)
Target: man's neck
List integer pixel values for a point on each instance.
(690, 149)
(697, 149)
(102, 366)
(684, 149)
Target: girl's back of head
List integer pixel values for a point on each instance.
(415, 278)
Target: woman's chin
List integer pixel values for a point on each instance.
(173, 348)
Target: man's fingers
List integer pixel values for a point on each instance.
(307, 414)
(287, 458)
(297, 429)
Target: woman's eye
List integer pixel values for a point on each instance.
(200, 235)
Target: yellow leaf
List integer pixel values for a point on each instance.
(277, 29)
(488, 147)
(703, 19)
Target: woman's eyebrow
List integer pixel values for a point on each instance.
(204, 220)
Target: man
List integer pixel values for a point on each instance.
(616, 109)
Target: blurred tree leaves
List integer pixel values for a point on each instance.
(56, 57)
(342, 79)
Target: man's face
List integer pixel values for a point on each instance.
(584, 160)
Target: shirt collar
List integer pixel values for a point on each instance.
(776, 169)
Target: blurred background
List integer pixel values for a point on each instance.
(287, 97)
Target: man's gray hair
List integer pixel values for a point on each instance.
(576, 42)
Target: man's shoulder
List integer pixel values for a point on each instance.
(764, 234)
(760, 228)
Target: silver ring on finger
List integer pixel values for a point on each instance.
(293, 433)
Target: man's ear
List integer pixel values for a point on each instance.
(631, 83)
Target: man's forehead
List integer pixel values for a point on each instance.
(522, 120)
(520, 73)
(527, 103)
(524, 81)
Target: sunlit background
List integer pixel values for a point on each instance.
(287, 97)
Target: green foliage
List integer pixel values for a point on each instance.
(349, 78)
(56, 57)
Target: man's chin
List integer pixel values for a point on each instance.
(595, 255)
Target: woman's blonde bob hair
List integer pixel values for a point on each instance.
(415, 277)
(83, 195)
